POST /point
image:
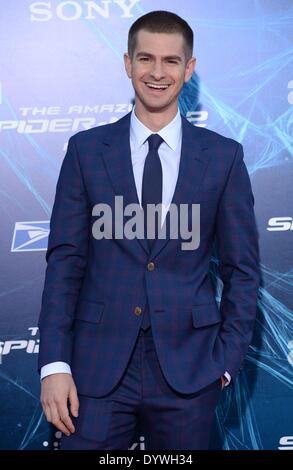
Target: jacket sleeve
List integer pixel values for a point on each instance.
(238, 252)
(66, 258)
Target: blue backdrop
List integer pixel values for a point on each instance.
(62, 71)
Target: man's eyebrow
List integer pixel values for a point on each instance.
(147, 54)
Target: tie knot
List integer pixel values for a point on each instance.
(155, 141)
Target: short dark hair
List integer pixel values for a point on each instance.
(161, 21)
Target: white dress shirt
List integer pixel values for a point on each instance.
(169, 153)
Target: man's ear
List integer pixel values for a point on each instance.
(190, 66)
(127, 64)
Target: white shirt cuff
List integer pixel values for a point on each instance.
(228, 377)
(58, 367)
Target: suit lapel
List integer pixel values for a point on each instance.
(117, 158)
(192, 167)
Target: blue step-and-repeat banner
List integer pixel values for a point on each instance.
(61, 71)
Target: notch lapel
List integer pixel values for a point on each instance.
(117, 158)
(192, 167)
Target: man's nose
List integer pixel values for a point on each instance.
(157, 71)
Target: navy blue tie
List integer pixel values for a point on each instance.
(151, 194)
(152, 181)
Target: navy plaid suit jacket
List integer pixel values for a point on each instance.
(92, 287)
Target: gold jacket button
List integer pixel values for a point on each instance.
(137, 310)
(151, 266)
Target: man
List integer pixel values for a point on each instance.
(130, 330)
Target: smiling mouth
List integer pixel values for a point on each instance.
(157, 87)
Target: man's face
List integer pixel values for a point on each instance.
(158, 70)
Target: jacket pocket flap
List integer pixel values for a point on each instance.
(89, 311)
(205, 315)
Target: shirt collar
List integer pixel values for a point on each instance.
(171, 133)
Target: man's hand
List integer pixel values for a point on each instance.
(56, 390)
(224, 380)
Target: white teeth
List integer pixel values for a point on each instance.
(158, 87)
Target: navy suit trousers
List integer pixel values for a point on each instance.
(167, 419)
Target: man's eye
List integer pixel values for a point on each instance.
(172, 61)
(144, 58)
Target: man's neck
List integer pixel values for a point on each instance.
(155, 120)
